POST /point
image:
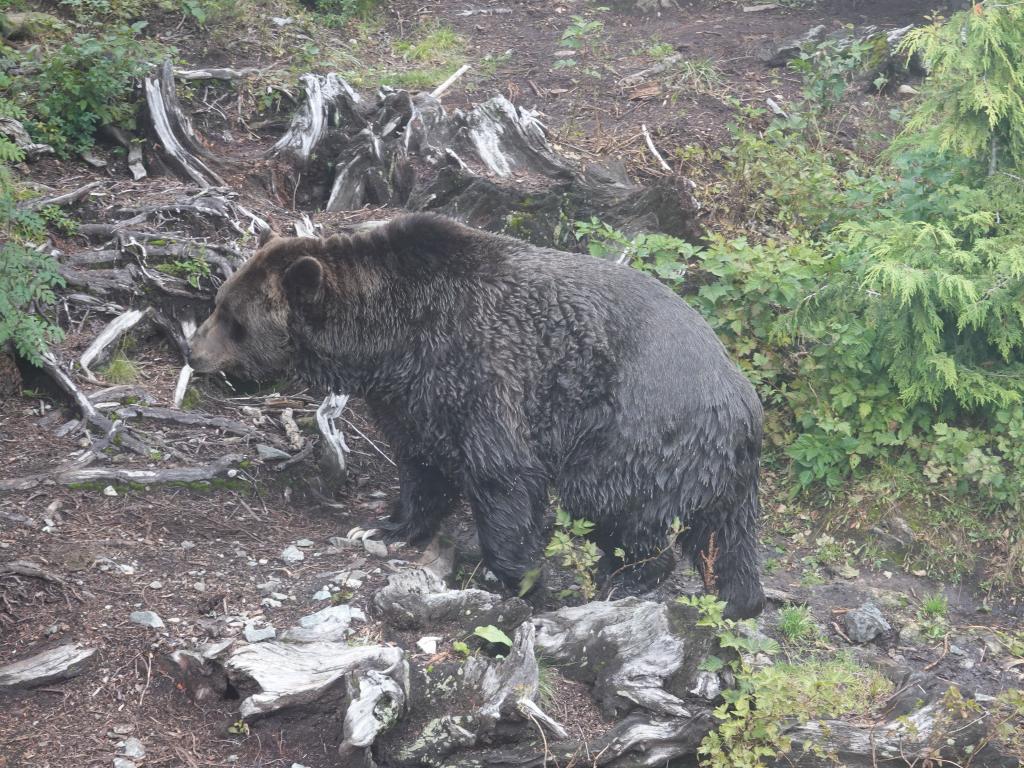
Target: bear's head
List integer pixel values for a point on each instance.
(248, 331)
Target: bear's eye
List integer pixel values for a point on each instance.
(236, 330)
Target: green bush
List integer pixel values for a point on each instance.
(27, 276)
(88, 82)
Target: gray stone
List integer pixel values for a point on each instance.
(292, 555)
(866, 623)
(254, 635)
(375, 547)
(269, 587)
(331, 623)
(305, 543)
(269, 453)
(120, 762)
(55, 664)
(146, 619)
(133, 748)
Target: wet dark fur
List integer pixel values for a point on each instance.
(496, 370)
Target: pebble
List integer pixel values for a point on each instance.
(187, 544)
(254, 635)
(127, 570)
(147, 619)
(156, 585)
(134, 748)
(199, 586)
(428, 644)
(306, 543)
(322, 594)
(109, 491)
(269, 602)
(292, 554)
(120, 762)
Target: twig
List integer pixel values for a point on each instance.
(436, 93)
(654, 150)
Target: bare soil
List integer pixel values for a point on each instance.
(195, 555)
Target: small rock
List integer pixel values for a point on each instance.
(292, 555)
(254, 635)
(109, 491)
(269, 453)
(147, 619)
(156, 585)
(134, 749)
(324, 593)
(304, 543)
(866, 623)
(187, 544)
(127, 570)
(122, 729)
(907, 90)
(340, 542)
(428, 644)
(269, 587)
(120, 762)
(269, 602)
(199, 586)
(375, 547)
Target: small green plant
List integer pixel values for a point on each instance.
(934, 616)
(343, 11)
(190, 401)
(663, 256)
(578, 553)
(121, 370)
(239, 728)
(756, 713)
(193, 270)
(583, 36)
(796, 624)
(828, 67)
(437, 45)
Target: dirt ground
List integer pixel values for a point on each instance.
(196, 555)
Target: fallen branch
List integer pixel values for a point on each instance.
(215, 73)
(188, 418)
(335, 447)
(637, 77)
(125, 475)
(67, 198)
(88, 410)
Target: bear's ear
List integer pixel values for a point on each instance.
(304, 279)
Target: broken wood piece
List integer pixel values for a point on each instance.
(58, 663)
(332, 459)
(637, 77)
(174, 130)
(295, 439)
(654, 150)
(304, 227)
(436, 93)
(30, 570)
(184, 377)
(110, 334)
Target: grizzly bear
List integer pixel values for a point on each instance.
(497, 370)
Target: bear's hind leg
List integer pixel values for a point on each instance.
(723, 545)
(426, 496)
(509, 508)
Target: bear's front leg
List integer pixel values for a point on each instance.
(425, 496)
(508, 507)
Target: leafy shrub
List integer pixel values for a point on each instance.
(86, 83)
(27, 276)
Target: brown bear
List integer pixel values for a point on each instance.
(497, 370)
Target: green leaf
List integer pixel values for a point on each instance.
(492, 634)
